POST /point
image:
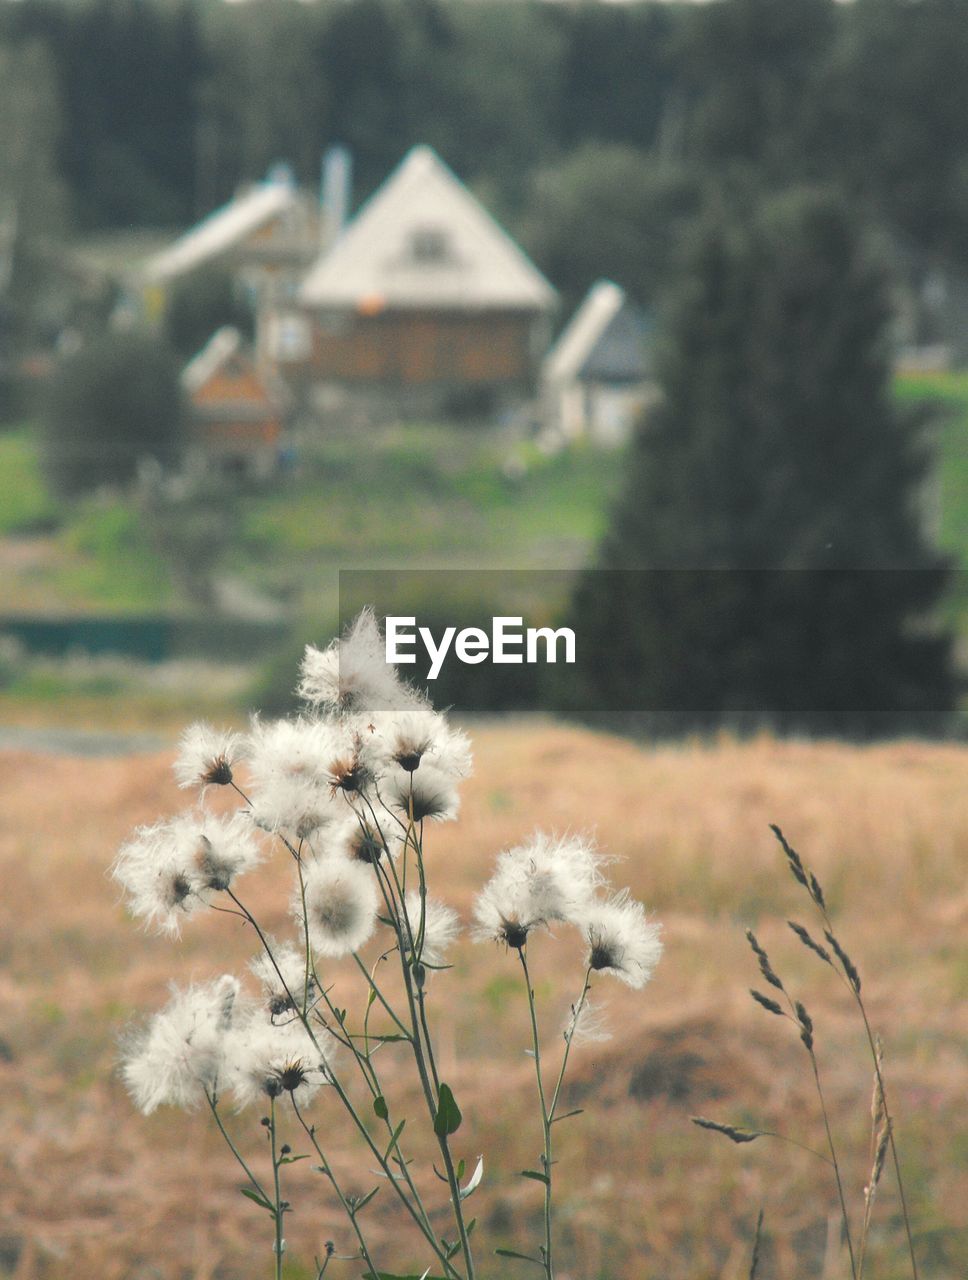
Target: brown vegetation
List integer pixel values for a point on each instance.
(92, 1190)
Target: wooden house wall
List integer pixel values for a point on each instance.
(233, 412)
(414, 349)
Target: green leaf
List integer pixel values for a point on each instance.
(461, 1167)
(448, 1118)
(525, 1257)
(538, 1177)
(364, 1200)
(380, 1107)
(292, 1159)
(578, 1112)
(261, 1201)
(394, 1138)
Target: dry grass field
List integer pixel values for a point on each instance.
(91, 1190)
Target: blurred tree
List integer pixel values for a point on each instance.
(615, 81)
(266, 99)
(773, 497)
(33, 208)
(750, 69)
(359, 60)
(111, 404)
(200, 303)
(32, 194)
(128, 73)
(892, 109)
(609, 211)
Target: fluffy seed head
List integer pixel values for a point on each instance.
(548, 879)
(267, 1060)
(341, 905)
(428, 793)
(283, 981)
(621, 941)
(169, 870)
(408, 739)
(352, 675)
(441, 928)
(180, 1054)
(206, 756)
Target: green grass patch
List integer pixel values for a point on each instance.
(440, 492)
(25, 502)
(110, 563)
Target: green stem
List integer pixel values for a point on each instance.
(420, 1030)
(586, 987)
(257, 1185)
(327, 1169)
(421, 1218)
(277, 1197)
(424, 1222)
(546, 1158)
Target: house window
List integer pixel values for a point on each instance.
(289, 337)
(430, 244)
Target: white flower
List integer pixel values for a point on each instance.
(547, 879)
(352, 675)
(283, 979)
(265, 1060)
(298, 749)
(291, 788)
(441, 927)
(428, 793)
(206, 756)
(172, 868)
(621, 940)
(341, 905)
(419, 735)
(180, 1054)
(358, 839)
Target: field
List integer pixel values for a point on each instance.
(417, 496)
(92, 1190)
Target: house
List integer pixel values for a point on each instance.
(237, 411)
(422, 301)
(265, 237)
(597, 378)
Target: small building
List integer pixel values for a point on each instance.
(237, 412)
(597, 379)
(265, 237)
(422, 300)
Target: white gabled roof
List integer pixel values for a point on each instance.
(581, 335)
(222, 230)
(221, 347)
(467, 261)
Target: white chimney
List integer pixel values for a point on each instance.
(335, 194)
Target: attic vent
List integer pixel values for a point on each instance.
(430, 244)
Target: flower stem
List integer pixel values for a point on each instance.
(546, 1116)
(348, 1209)
(277, 1198)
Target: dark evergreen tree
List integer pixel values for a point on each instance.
(110, 405)
(774, 508)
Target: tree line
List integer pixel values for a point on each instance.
(565, 117)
